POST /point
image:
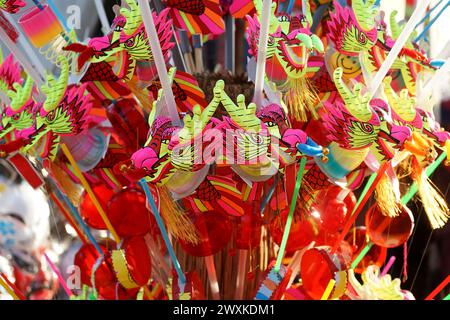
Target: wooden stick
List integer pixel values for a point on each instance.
(91, 193)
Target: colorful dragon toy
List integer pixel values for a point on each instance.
(197, 16)
(288, 58)
(18, 117)
(12, 6)
(423, 153)
(64, 112)
(356, 29)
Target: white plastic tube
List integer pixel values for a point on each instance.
(160, 63)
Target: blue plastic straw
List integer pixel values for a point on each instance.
(38, 4)
(428, 13)
(163, 230)
(80, 221)
(58, 14)
(428, 26)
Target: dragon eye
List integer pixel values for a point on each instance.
(16, 117)
(362, 38)
(165, 141)
(130, 42)
(51, 116)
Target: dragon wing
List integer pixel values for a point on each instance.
(197, 16)
(70, 117)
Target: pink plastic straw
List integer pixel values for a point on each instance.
(388, 266)
(58, 274)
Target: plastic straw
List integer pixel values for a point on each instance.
(409, 28)
(212, 277)
(328, 290)
(439, 288)
(287, 227)
(388, 266)
(163, 230)
(370, 186)
(240, 279)
(428, 26)
(38, 4)
(362, 254)
(262, 52)
(447, 297)
(59, 15)
(106, 26)
(61, 280)
(23, 60)
(413, 190)
(160, 63)
(8, 289)
(80, 221)
(91, 193)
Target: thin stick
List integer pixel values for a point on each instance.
(24, 61)
(370, 187)
(362, 254)
(439, 288)
(160, 63)
(13, 287)
(327, 292)
(399, 43)
(91, 193)
(212, 277)
(80, 221)
(38, 4)
(240, 279)
(430, 170)
(61, 280)
(58, 14)
(106, 26)
(287, 227)
(428, 26)
(8, 289)
(163, 230)
(388, 266)
(262, 52)
(197, 42)
(230, 44)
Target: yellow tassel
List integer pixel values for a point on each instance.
(71, 189)
(433, 202)
(300, 97)
(176, 218)
(386, 199)
(143, 95)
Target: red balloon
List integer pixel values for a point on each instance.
(332, 212)
(214, 230)
(130, 127)
(318, 267)
(128, 213)
(138, 260)
(104, 279)
(85, 259)
(87, 209)
(248, 231)
(375, 256)
(389, 232)
(301, 234)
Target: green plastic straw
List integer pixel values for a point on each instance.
(287, 227)
(413, 190)
(362, 254)
(447, 297)
(405, 199)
